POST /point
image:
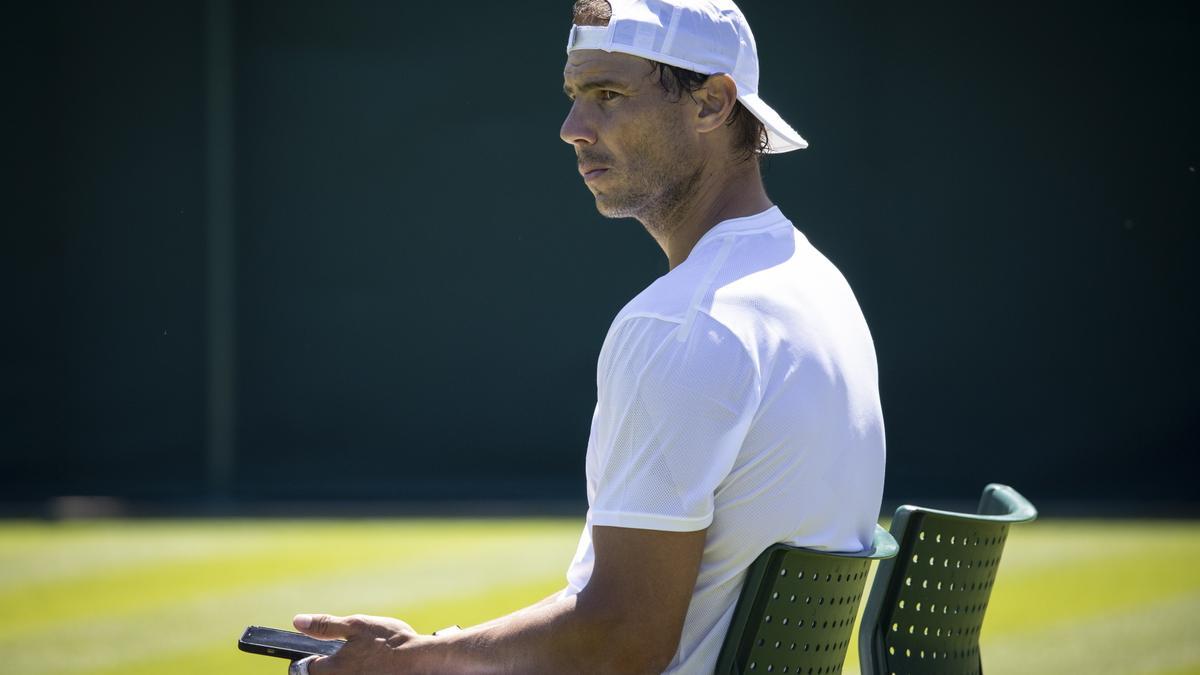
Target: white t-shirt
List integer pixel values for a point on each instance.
(738, 393)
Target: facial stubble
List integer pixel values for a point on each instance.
(659, 178)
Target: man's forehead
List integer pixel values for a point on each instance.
(584, 65)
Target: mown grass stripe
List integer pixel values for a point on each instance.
(103, 641)
(295, 555)
(1154, 638)
(65, 550)
(1105, 584)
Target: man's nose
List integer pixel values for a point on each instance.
(575, 129)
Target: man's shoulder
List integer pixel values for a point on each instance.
(666, 352)
(665, 300)
(713, 267)
(729, 287)
(675, 306)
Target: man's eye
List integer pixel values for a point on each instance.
(607, 95)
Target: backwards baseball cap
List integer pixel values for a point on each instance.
(705, 36)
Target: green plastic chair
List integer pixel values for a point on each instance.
(926, 607)
(797, 608)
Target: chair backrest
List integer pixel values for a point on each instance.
(797, 608)
(926, 606)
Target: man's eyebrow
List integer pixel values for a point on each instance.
(590, 85)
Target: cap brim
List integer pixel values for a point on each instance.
(781, 137)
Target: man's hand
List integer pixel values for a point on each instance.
(373, 643)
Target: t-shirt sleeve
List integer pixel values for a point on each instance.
(673, 409)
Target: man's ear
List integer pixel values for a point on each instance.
(717, 98)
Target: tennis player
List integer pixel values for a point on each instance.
(738, 400)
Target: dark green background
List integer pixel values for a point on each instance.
(422, 282)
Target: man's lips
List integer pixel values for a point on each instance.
(591, 173)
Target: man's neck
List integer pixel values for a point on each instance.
(717, 196)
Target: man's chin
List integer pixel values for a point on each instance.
(611, 209)
(612, 213)
(604, 209)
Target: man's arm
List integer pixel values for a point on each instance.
(628, 619)
(548, 600)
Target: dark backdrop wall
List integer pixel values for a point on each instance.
(421, 283)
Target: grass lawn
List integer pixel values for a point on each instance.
(171, 597)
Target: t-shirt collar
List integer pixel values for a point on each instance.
(758, 222)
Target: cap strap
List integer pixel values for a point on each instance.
(587, 37)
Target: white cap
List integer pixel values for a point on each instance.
(705, 36)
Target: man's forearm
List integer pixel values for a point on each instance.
(557, 635)
(554, 597)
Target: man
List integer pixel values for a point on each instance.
(737, 395)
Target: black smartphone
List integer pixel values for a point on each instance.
(285, 644)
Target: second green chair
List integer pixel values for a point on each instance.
(926, 606)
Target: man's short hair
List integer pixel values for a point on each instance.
(750, 135)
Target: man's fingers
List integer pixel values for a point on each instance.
(318, 666)
(369, 641)
(325, 626)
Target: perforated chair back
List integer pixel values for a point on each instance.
(926, 606)
(797, 608)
